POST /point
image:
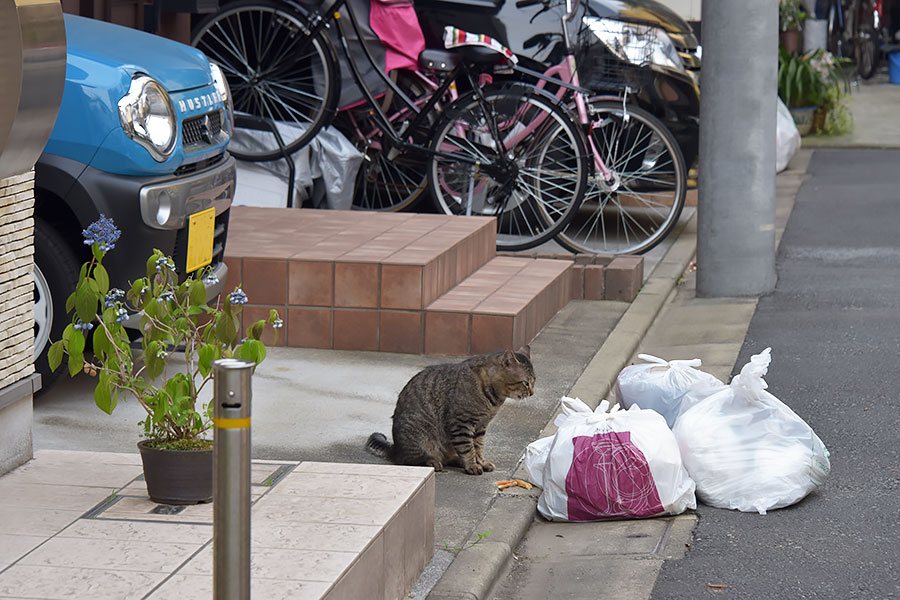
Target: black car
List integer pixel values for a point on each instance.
(639, 43)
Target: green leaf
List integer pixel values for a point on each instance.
(70, 302)
(207, 354)
(105, 396)
(253, 350)
(101, 341)
(86, 300)
(226, 328)
(255, 331)
(161, 406)
(102, 279)
(198, 293)
(151, 265)
(76, 353)
(55, 355)
(154, 362)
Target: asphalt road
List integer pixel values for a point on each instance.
(833, 323)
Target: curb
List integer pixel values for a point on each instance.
(483, 560)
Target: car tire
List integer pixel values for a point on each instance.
(55, 276)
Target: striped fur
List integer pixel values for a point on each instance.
(443, 411)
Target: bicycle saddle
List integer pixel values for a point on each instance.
(476, 47)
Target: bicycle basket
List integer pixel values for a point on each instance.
(614, 65)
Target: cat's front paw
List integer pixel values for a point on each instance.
(487, 465)
(474, 469)
(435, 464)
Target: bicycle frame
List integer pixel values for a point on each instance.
(317, 22)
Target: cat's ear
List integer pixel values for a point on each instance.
(509, 359)
(526, 350)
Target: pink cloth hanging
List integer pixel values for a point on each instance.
(396, 25)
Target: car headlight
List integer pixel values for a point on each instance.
(224, 92)
(148, 117)
(637, 44)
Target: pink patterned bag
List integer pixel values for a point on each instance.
(609, 465)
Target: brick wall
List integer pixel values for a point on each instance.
(16, 281)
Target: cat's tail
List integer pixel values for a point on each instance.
(379, 445)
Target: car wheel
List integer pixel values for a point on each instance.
(55, 277)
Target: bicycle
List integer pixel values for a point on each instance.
(638, 185)
(854, 30)
(632, 204)
(506, 150)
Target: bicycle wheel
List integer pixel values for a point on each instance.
(865, 40)
(640, 207)
(835, 29)
(276, 73)
(386, 182)
(516, 155)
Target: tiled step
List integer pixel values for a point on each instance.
(326, 531)
(351, 280)
(504, 304)
(403, 282)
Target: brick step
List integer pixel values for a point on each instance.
(504, 304)
(331, 273)
(410, 283)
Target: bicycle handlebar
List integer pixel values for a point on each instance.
(571, 6)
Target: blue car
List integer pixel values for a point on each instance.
(141, 137)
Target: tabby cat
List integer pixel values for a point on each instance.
(443, 411)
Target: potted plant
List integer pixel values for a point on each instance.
(181, 336)
(808, 82)
(790, 16)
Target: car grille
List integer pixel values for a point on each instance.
(201, 131)
(201, 165)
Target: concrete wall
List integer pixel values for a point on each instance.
(17, 317)
(689, 10)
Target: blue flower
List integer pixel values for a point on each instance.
(167, 295)
(164, 261)
(211, 279)
(113, 296)
(103, 233)
(79, 324)
(238, 297)
(121, 315)
(277, 323)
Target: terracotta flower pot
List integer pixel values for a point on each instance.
(177, 476)
(819, 117)
(790, 40)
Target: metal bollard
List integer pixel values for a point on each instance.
(231, 479)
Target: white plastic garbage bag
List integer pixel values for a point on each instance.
(746, 449)
(787, 137)
(608, 465)
(659, 384)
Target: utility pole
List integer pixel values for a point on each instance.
(736, 207)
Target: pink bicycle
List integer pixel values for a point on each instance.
(637, 186)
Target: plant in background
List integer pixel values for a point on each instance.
(812, 79)
(790, 14)
(177, 326)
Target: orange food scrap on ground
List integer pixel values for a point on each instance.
(513, 482)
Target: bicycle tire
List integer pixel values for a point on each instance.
(647, 198)
(385, 183)
(544, 178)
(257, 43)
(835, 33)
(865, 40)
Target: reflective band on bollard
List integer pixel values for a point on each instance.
(231, 479)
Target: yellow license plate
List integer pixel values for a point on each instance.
(201, 229)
